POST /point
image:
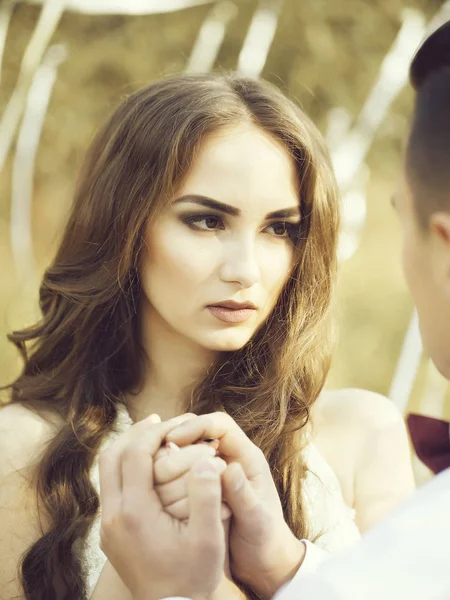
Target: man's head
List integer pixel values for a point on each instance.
(424, 204)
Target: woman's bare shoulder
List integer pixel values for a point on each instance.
(356, 408)
(24, 434)
(350, 426)
(380, 457)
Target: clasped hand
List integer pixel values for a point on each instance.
(162, 518)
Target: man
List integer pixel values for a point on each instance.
(407, 556)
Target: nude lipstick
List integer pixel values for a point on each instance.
(230, 311)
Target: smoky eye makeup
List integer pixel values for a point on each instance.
(202, 221)
(286, 229)
(192, 216)
(211, 222)
(280, 224)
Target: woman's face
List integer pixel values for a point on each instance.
(219, 255)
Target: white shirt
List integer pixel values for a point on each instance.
(406, 556)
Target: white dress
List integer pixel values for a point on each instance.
(331, 522)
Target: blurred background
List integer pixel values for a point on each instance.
(66, 65)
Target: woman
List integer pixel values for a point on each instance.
(195, 273)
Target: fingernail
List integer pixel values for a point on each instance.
(209, 443)
(238, 479)
(172, 446)
(154, 419)
(205, 469)
(221, 465)
(225, 511)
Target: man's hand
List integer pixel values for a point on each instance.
(264, 552)
(156, 555)
(172, 467)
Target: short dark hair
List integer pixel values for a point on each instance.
(428, 150)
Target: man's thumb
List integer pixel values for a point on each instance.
(238, 492)
(205, 499)
(205, 530)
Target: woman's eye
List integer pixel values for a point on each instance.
(204, 222)
(211, 222)
(284, 230)
(280, 229)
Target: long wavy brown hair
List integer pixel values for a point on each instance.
(83, 357)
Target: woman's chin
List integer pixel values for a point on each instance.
(226, 343)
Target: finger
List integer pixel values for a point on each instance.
(110, 461)
(110, 466)
(181, 510)
(139, 428)
(165, 450)
(176, 490)
(212, 443)
(234, 445)
(176, 463)
(205, 524)
(187, 416)
(225, 511)
(239, 493)
(137, 466)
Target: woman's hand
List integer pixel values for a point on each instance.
(171, 476)
(264, 552)
(156, 555)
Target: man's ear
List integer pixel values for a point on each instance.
(439, 225)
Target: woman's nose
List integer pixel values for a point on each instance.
(240, 264)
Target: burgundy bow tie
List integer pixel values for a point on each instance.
(431, 440)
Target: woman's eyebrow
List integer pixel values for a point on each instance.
(210, 203)
(285, 213)
(232, 210)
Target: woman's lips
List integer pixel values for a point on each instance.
(231, 315)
